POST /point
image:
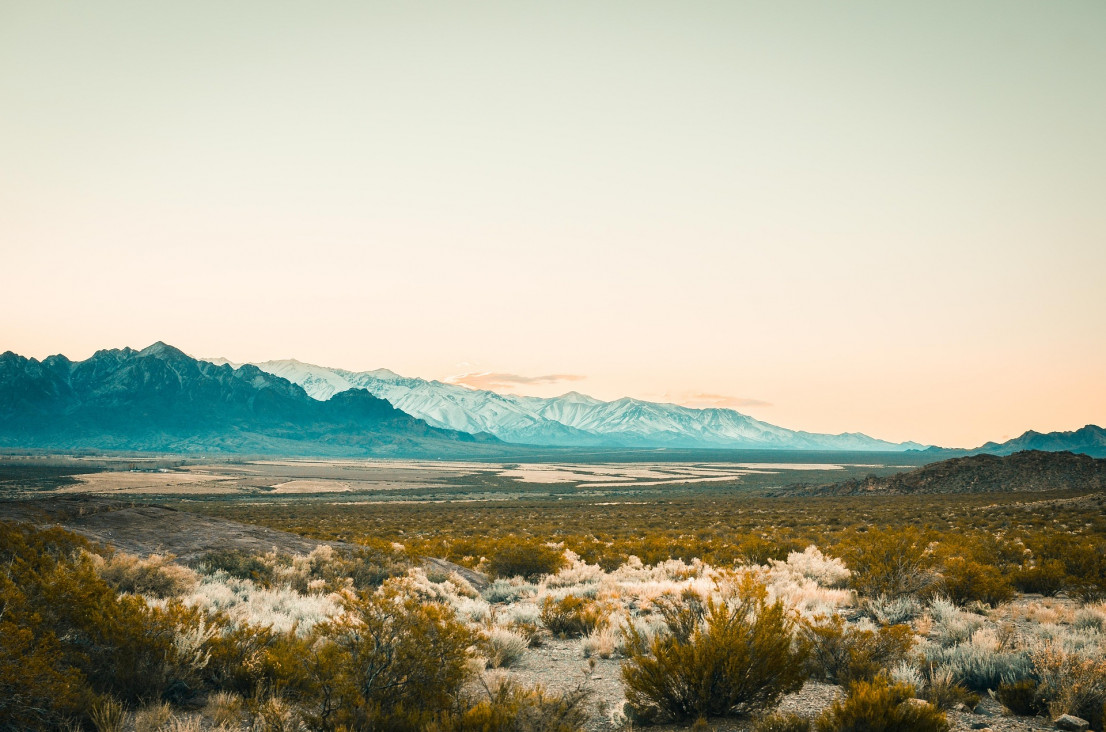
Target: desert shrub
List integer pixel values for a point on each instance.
(504, 647)
(965, 581)
(891, 562)
(603, 641)
(754, 549)
(502, 590)
(510, 707)
(980, 667)
(905, 672)
(945, 692)
(1084, 561)
(893, 611)
(1044, 578)
(1070, 682)
(1020, 697)
(570, 616)
(240, 564)
(532, 632)
(812, 564)
(155, 575)
(721, 658)
(370, 566)
(780, 722)
(951, 624)
(527, 559)
(1091, 619)
(878, 706)
(391, 662)
(65, 634)
(842, 653)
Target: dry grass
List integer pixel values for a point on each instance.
(152, 717)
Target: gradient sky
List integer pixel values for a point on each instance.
(880, 217)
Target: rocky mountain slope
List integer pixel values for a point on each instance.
(160, 399)
(1088, 440)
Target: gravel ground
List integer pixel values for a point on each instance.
(559, 665)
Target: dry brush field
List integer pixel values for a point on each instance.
(698, 605)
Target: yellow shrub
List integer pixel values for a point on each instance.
(529, 559)
(965, 581)
(716, 659)
(891, 562)
(841, 653)
(877, 706)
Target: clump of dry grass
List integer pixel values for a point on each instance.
(152, 717)
(224, 709)
(505, 647)
(108, 715)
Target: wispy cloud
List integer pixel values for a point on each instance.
(499, 380)
(705, 399)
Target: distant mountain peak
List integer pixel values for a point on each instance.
(161, 349)
(578, 398)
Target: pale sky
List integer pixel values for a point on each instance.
(877, 217)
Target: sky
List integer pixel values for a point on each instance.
(851, 216)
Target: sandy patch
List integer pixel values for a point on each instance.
(146, 483)
(311, 486)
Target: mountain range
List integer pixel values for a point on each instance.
(160, 399)
(1087, 440)
(569, 420)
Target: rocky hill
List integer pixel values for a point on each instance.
(1028, 471)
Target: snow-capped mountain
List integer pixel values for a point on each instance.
(571, 419)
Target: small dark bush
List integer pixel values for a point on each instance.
(965, 581)
(525, 559)
(944, 692)
(878, 706)
(1020, 697)
(240, 564)
(1045, 578)
(719, 659)
(570, 617)
(841, 654)
(368, 567)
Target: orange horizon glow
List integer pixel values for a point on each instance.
(857, 217)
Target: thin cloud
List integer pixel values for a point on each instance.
(499, 380)
(704, 399)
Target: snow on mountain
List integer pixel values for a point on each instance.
(572, 419)
(440, 405)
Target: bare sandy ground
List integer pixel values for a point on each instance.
(151, 483)
(179, 477)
